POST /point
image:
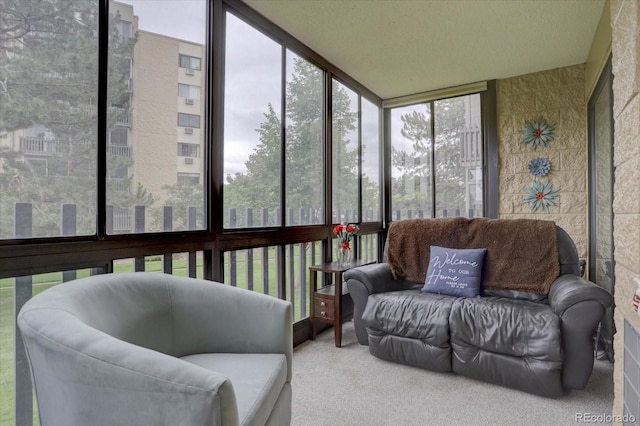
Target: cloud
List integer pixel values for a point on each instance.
(183, 19)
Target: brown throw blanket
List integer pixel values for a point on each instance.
(522, 254)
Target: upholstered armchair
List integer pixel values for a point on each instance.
(156, 349)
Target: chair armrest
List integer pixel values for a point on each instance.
(567, 290)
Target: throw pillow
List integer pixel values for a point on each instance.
(454, 272)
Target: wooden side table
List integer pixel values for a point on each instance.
(325, 306)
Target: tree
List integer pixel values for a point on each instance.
(48, 89)
(259, 186)
(181, 197)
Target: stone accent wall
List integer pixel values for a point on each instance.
(625, 23)
(558, 96)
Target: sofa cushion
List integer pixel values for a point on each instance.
(454, 272)
(512, 327)
(412, 314)
(257, 380)
(410, 327)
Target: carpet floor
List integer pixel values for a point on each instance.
(348, 386)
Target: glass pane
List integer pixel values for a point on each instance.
(253, 269)
(601, 268)
(252, 127)
(458, 156)
(165, 49)
(371, 163)
(603, 190)
(345, 142)
(368, 246)
(298, 258)
(304, 167)
(411, 140)
(48, 121)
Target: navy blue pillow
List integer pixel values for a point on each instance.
(454, 272)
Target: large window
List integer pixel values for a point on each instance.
(87, 153)
(371, 163)
(345, 157)
(436, 159)
(143, 76)
(252, 127)
(48, 116)
(304, 167)
(280, 177)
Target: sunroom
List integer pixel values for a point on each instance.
(224, 139)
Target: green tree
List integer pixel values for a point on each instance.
(48, 90)
(345, 152)
(259, 186)
(181, 197)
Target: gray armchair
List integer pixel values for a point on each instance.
(155, 349)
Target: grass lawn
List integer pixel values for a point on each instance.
(152, 264)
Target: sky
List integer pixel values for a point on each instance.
(253, 69)
(183, 19)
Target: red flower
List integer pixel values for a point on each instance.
(350, 228)
(345, 245)
(337, 229)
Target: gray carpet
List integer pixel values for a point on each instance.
(348, 386)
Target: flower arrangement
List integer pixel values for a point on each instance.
(344, 234)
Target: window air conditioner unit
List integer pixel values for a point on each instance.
(188, 130)
(188, 101)
(188, 160)
(189, 71)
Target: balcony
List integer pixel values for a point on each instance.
(470, 146)
(121, 150)
(38, 145)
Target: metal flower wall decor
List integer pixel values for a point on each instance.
(539, 166)
(540, 195)
(537, 132)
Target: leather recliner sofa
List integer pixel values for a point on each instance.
(537, 343)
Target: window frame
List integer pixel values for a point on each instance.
(489, 145)
(190, 59)
(191, 120)
(189, 88)
(191, 149)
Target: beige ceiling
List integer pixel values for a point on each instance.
(402, 47)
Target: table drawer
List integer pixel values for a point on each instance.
(324, 308)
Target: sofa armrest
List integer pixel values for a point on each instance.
(580, 304)
(567, 290)
(370, 279)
